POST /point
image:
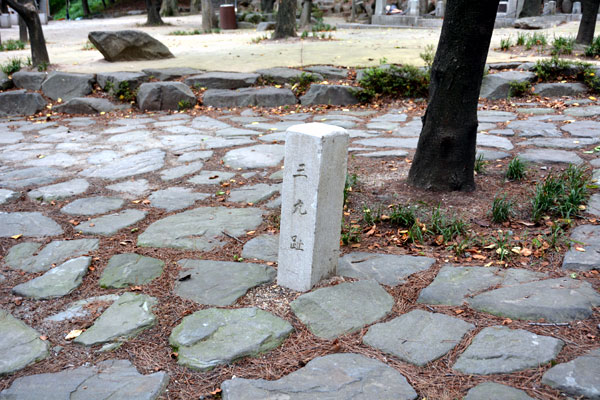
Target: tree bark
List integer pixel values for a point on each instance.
(285, 26)
(23, 30)
(28, 11)
(587, 26)
(305, 17)
(266, 6)
(86, 8)
(195, 7)
(445, 156)
(153, 14)
(3, 7)
(207, 16)
(169, 8)
(531, 8)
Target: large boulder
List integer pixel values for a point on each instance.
(558, 89)
(337, 95)
(263, 97)
(19, 102)
(165, 96)
(86, 105)
(66, 86)
(31, 80)
(128, 46)
(222, 80)
(114, 81)
(497, 86)
(5, 81)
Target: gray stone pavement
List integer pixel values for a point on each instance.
(127, 170)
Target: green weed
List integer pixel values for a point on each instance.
(12, 65)
(88, 46)
(505, 44)
(447, 226)
(562, 45)
(516, 170)
(302, 82)
(502, 209)
(593, 50)
(519, 89)
(11, 44)
(521, 39)
(428, 55)
(403, 81)
(480, 164)
(351, 180)
(259, 39)
(350, 234)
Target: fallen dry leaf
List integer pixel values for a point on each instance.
(73, 334)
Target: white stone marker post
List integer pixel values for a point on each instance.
(312, 202)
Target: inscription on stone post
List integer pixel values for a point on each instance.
(312, 202)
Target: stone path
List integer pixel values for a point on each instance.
(174, 181)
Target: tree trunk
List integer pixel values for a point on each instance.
(195, 7)
(207, 16)
(169, 8)
(445, 156)
(23, 31)
(3, 7)
(531, 8)
(587, 26)
(422, 7)
(28, 11)
(285, 26)
(305, 17)
(153, 15)
(266, 6)
(86, 8)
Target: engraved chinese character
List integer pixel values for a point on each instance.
(299, 207)
(300, 171)
(296, 243)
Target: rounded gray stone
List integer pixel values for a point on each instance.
(211, 177)
(87, 105)
(20, 344)
(59, 191)
(130, 269)
(254, 193)
(30, 80)
(578, 377)
(497, 86)
(57, 282)
(555, 300)
(203, 280)
(128, 45)
(200, 228)
(175, 198)
(548, 156)
(334, 376)
(263, 247)
(212, 337)
(65, 86)
(32, 224)
(22, 177)
(136, 164)
(92, 205)
(493, 390)
(222, 80)
(112, 223)
(124, 319)
(20, 102)
(8, 195)
(25, 256)
(500, 350)
(418, 337)
(249, 97)
(330, 94)
(387, 269)
(589, 111)
(345, 308)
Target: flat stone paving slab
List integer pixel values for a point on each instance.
(555, 300)
(253, 193)
(550, 156)
(59, 191)
(136, 164)
(493, 390)
(499, 350)
(25, 256)
(418, 337)
(335, 376)
(263, 247)
(7, 196)
(175, 198)
(211, 177)
(32, 224)
(583, 128)
(527, 128)
(203, 280)
(57, 282)
(387, 269)
(584, 254)
(333, 311)
(212, 337)
(578, 377)
(593, 206)
(453, 285)
(83, 308)
(93, 205)
(124, 319)
(199, 229)
(112, 223)
(130, 269)
(20, 344)
(259, 156)
(109, 379)
(588, 111)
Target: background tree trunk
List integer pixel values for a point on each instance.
(445, 155)
(153, 15)
(285, 26)
(3, 7)
(207, 16)
(531, 8)
(266, 6)
(195, 7)
(28, 11)
(305, 17)
(86, 8)
(23, 30)
(169, 8)
(587, 26)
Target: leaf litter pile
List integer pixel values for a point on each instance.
(382, 214)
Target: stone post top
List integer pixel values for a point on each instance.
(317, 129)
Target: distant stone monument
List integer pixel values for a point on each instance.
(440, 8)
(576, 8)
(413, 8)
(312, 202)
